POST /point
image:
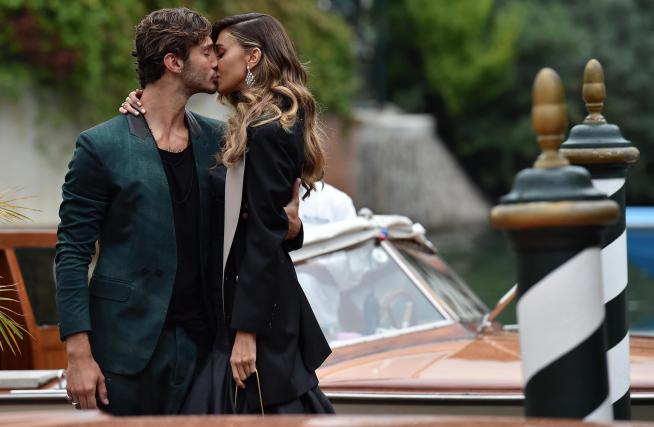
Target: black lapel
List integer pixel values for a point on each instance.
(138, 126)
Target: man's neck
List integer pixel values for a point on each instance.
(165, 106)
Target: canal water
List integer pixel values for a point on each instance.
(484, 259)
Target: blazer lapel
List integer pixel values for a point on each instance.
(233, 196)
(147, 163)
(145, 167)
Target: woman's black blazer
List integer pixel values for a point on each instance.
(261, 292)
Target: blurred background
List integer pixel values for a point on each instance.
(426, 102)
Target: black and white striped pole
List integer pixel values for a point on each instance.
(600, 147)
(555, 219)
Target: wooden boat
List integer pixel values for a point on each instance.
(96, 419)
(409, 337)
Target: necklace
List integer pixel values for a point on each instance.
(170, 148)
(176, 150)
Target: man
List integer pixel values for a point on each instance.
(136, 334)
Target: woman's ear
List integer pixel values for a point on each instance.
(254, 57)
(173, 63)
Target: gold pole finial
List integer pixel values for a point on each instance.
(549, 117)
(594, 92)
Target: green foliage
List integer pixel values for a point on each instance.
(458, 51)
(79, 49)
(472, 63)
(455, 59)
(82, 49)
(564, 35)
(324, 43)
(497, 136)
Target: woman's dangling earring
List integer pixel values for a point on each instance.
(249, 77)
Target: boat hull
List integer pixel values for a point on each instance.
(642, 407)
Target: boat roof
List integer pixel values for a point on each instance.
(325, 238)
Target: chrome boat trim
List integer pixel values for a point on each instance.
(47, 394)
(391, 333)
(433, 397)
(424, 396)
(60, 395)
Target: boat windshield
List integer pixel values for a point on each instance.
(444, 282)
(361, 292)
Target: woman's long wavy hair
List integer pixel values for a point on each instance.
(279, 93)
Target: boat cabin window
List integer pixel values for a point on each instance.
(362, 292)
(444, 282)
(36, 266)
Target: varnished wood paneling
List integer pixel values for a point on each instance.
(27, 238)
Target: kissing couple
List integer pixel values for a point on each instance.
(194, 305)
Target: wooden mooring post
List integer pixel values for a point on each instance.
(555, 219)
(599, 147)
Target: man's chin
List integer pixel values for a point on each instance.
(211, 90)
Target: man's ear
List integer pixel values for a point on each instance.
(254, 57)
(173, 63)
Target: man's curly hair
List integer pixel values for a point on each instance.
(166, 31)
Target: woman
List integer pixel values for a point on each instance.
(267, 328)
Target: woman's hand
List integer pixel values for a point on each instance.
(244, 357)
(132, 104)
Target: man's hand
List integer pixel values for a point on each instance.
(292, 212)
(244, 357)
(83, 374)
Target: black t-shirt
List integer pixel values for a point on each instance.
(187, 305)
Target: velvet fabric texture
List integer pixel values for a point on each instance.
(116, 193)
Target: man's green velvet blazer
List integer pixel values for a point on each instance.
(116, 193)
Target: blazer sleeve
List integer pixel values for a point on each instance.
(270, 172)
(82, 211)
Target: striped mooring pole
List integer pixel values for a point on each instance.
(555, 219)
(600, 148)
